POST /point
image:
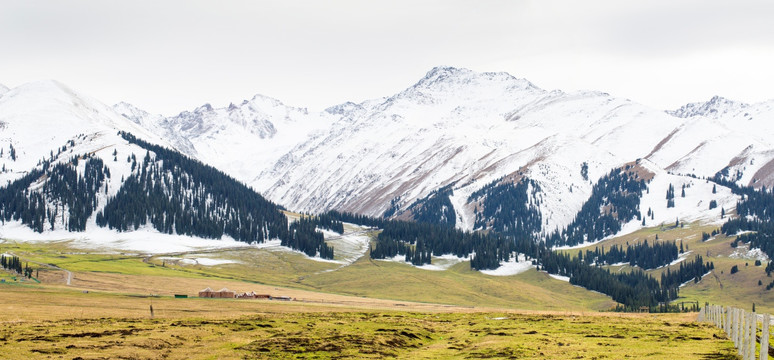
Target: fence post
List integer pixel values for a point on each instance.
(742, 332)
(753, 341)
(765, 337)
(748, 330)
(745, 334)
(738, 330)
(735, 327)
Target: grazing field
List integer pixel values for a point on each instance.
(720, 286)
(99, 326)
(262, 270)
(120, 305)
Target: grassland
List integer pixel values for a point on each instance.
(61, 323)
(261, 270)
(369, 309)
(720, 286)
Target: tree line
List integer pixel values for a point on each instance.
(169, 191)
(507, 208)
(65, 198)
(13, 263)
(614, 201)
(755, 213)
(418, 242)
(642, 254)
(435, 208)
(177, 194)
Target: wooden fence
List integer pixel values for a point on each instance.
(742, 328)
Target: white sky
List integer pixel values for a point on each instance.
(169, 56)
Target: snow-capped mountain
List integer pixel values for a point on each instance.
(38, 119)
(241, 139)
(723, 131)
(716, 108)
(454, 128)
(74, 168)
(466, 129)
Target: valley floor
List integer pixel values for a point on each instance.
(351, 308)
(61, 323)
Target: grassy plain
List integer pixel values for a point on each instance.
(262, 271)
(720, 286)
(369, 309)
(62, 323)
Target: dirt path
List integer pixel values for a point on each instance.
(69, 278)
(718, 280)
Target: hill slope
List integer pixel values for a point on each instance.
(72, 166)
(461, 130)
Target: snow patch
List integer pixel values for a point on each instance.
(145, 240)
(744, 252)
(560, 277)
(212, 262)
(350, 246)
(198, 260)
(516, 265)
(693, 207)
(680, 258)
(438, 263)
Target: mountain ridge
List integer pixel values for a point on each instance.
(465, 128)
(454, 127)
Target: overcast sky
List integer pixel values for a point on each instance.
(169, 56)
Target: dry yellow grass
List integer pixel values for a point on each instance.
(61, 323)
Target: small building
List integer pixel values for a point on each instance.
(282, 298)
(181, 296)
(247, 295)
(252, 295)
(206, 293)
(223, 293)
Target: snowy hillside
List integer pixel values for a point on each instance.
(466, 129)
(721, 131)
(70, 164)
(454, 128)
(239, 139)
(39, 118)
(716, 108)
(692, 201)
(459, 127)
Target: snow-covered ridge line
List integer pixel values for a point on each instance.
(452, 127)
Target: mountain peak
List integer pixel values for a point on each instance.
(49, 88)
(342, 109)
(135, 114)
(259, 98)
(204, 108)
(443, 83)
(713, 108)
(441, 72)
